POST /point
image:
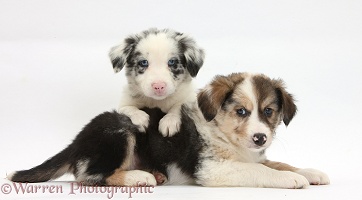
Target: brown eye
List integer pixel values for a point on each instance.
(268, 112)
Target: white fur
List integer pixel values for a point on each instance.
(10, 175)
(139, 178)
(255, 125)
(170, 123)
(314, 176)
(231, 173)
(82, 176)
(177, 177)
(157, 49)
(138, 117)
(82, 167)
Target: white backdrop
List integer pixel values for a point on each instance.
(55, 76)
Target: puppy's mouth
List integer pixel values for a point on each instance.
(161, 94)
(159, 97)
(255, 148)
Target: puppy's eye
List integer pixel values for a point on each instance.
(172, 63)
(242, 112)
(268, 112)
(143, 63)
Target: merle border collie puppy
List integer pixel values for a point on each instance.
(160, 65)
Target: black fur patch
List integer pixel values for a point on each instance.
(177, 70)
(157, 152)
(192, 64)
(117, 62)
(228, 100)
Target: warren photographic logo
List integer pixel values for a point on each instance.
(74, 188)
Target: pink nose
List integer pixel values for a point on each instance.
(159, 87)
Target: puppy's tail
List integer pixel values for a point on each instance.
(52, 168)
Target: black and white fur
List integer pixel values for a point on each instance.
(159, 68)
(222, 142)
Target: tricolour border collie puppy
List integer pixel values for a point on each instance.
(159, 68)
(222, 142)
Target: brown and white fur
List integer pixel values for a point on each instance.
(159, 66)
(243, 112)
(222, 141)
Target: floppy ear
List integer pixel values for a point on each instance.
(289, 109)
(192, 54)
(211, 98)
(119, 54)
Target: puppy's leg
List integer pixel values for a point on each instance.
(279, 166)
(137, 116)
(315, 177)
(230, 173)
(170, 124)
(111, 159)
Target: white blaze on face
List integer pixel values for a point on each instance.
(157, 81)
(255, 125)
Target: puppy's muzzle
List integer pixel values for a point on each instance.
(259, 139)
(159, 88)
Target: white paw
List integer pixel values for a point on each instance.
(140, 119)
(315, 177)
(169, 125)
(290, 180)
(139, 178)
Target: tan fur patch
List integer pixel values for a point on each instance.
(222, 152)
(232, 126)
(242, 101)
(279, 166)
(288, 106)
(117, 178)
(211, 98)
(129, 161)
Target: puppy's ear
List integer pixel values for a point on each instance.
(289, 109)
(211, 98)
(191, 53)
(119, 54)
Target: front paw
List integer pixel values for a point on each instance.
(169, 125)
(289, 180)
(140, 119)
(315, 177)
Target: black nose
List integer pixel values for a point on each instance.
(259, 139)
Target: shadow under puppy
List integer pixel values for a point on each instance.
(221, 142)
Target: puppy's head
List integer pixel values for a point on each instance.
(157, 61)
(247, 108)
